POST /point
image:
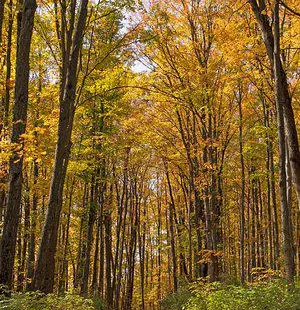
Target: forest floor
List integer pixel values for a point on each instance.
(271, 295)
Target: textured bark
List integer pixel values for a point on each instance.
(123, 205)
(25, 238)
(270, 226)
(274, 208)
(63, 281)
(95, 283)
(242, 201)
(8, 241)
(82, 243)
(43, 279)
(108, 252)
(32, 242)
(287, 232)
(172, 233)
(142, 241)
(89, 242)
(131, 250)
(281, 89)
(35, 198)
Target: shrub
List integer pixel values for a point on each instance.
(274, 295)
(39, 301)
(177, 300)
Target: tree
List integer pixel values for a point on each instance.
(9, 237)
(43, 279)
(286, 122)
(161, 135)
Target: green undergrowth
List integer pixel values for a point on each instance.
(39, 301)
(272, 295)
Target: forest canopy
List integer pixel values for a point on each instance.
(149, 154)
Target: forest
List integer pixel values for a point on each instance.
(149, 154)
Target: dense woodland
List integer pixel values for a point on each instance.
(148, 146)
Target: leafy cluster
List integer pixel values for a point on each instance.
(272, 295)
(39, 301)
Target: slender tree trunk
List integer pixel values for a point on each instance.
(101, 248)
(108, 251)
(89, 241)
(43, 279)
(159, 251)
(19, 254)
(32, 243)
(123, 229)
(17, 273)
(281, 86)
(142, 240)
(122, 205)
(9, 237)
(64, 274)
(26, 233)
(242, 201)
(94, 286)
(270, 226)
(274, 209)
(253, 221)
(172, 233)
(131, 247)
(287, 233)
(82, 240)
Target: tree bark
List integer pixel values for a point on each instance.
(242, 203)
(62, 286)
(89, 241)
(32, 242)
(172, 233)
(281, 88)
(287, 233)
(43, 279)
(8, 241)
(108, 251)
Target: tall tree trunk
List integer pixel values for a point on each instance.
(287, 233)
(123, 229)
(95, 278)
(134, 222)
(32, 243)
(270, 226)
(108, 251)
(82, 239)
(274, 208)
(26, 232)
(89, 241)
(159, 224)
(64, 274)
(33, 220)
(19, 254)
(43, 279)
(8, 241)
(281, 86)
(101, 248)
(142, 240)
(242, 201)
(172, 233)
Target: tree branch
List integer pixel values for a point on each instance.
(290, 9)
